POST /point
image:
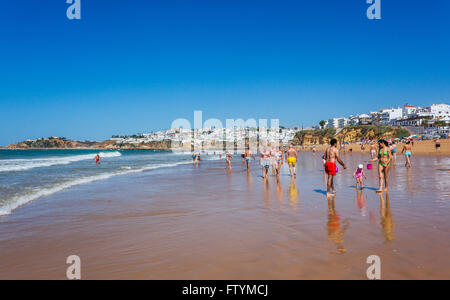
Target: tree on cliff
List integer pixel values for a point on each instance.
(322, 123)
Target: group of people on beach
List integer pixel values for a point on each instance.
(196, 158)
(268, 158)
(381, 151)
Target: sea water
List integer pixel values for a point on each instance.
(26, 175)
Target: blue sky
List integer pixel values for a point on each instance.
(135, 66)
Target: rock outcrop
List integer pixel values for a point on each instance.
(348, 134)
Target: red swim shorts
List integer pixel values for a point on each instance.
(330, 168)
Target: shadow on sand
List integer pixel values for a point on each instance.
(321, 192)
(366, 188)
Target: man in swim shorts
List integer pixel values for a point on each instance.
(97, 160)
(265, 162)
(248, 155)
(243, 156)
(438, 145)
(331, 156)
(292, 160)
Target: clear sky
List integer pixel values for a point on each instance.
(134, 66)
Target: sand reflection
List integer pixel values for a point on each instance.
(336, 229)
(387, 221)
(293, 195)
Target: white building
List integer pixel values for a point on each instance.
(364, 119)
(409, 111)
(343, 122)
(332, 123)
(439, 111)
(390, 114)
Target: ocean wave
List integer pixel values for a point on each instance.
(11, 165)
(13, 203)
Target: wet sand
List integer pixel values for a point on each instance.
(207, 223)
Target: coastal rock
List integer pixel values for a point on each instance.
(348, 134)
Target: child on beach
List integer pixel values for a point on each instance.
(358, 175)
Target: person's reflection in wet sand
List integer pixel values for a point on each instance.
(409, 181)
(279, 191)
(361, 202)
(249, 182)
(293, 195)
(387, 221)
(266, 192)
(229, 173)
(335, 230)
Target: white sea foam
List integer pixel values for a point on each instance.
(11, 204)
(10, 165)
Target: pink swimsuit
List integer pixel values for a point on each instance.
(359, 173)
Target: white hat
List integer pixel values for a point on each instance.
(360, 166)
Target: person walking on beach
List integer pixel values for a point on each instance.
(278, 154)
(373, 150)
(393, 148)
(438, 145)
(292, 156)
(228, 158)
(97, 159)
(248, 155)
(265, 163)
(331, 156)
(384, 163)
(407, 150)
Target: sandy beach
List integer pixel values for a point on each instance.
(203, 222)
(420, 148)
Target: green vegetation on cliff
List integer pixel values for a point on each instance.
(349, 134)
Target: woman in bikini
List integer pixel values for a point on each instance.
(408, 152)
(278, 156)
(384, 161)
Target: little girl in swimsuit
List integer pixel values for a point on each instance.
(358, 175)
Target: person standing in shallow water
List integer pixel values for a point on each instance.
(373, 150)
(292, 156)
(407, 150)
(384, 163)
(228, 159)
(265, 163)
(97, 160)
(438, 145)
(248, 156)
(331, 156)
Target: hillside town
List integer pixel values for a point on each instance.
(433, 119)
(210, 137)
